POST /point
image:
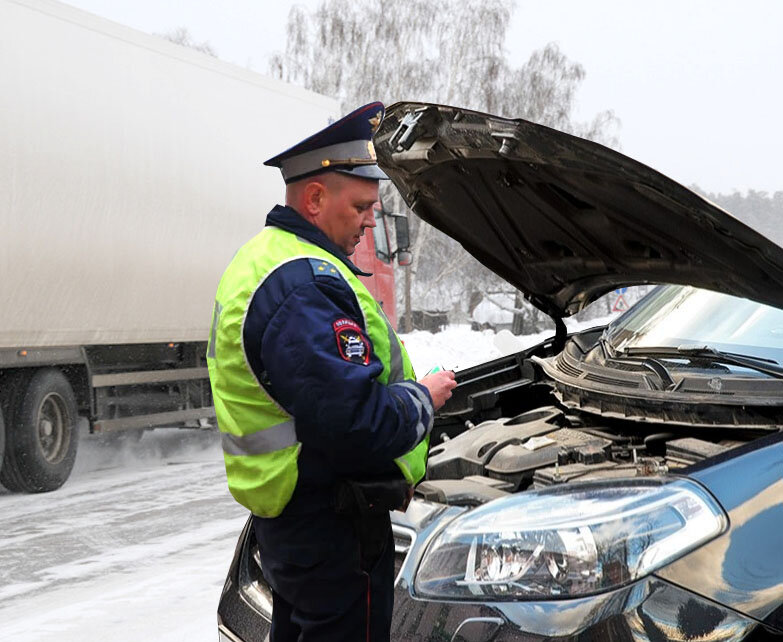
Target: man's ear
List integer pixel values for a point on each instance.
(313, 197)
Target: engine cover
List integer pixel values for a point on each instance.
(468, 453)
(516, 463)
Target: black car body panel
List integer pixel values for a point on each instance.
(564, 219)
(743, 568)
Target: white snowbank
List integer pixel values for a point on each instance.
(455, 348)
(458, 347)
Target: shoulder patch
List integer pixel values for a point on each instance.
(351, 342)
(324, 268)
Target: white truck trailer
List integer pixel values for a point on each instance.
(130, 172)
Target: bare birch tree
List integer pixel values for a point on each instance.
(443, 51)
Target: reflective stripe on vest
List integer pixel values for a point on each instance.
(396, 370)
(262, 442)
(260, 448)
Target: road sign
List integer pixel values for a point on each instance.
(620, 304)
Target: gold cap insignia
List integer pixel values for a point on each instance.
(371, 150)
(375, 121)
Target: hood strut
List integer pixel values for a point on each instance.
(561, 334)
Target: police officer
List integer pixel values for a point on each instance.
(324, 427)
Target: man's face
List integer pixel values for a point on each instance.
(346, 209)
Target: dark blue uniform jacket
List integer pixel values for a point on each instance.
(349, 425)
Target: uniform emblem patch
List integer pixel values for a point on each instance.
(351, 343)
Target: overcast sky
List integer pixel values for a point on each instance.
(697, 84)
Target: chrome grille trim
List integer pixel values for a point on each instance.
(404, 540)
(224, 633)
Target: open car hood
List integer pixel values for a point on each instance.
(563, 219)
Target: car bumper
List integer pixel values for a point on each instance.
(651, 609)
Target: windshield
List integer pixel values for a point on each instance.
(675, 315)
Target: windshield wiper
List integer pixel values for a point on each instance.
(759, 364)
(611, 354)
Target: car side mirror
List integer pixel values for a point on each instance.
(404, 258)
(402, 233)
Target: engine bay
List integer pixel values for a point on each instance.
(479, 453)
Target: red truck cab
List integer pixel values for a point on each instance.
(375, 255)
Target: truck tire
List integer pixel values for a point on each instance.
(2, 436)
(41, 432)
(11, 386)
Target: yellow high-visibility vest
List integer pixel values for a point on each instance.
(260, 447)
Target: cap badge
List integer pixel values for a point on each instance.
(371, 150)
(375, 121)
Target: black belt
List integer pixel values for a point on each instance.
(368, 504)
(364, 498)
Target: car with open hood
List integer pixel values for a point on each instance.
(619, 483)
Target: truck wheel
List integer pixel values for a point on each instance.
(42, 433)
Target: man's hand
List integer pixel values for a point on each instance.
(407, 501)
(440, 384)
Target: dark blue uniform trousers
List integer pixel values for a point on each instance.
(327, 592)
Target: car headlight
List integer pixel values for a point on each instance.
(568, 541)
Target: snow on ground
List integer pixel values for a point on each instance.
(454, 348)
(136, 545)
(458, 347)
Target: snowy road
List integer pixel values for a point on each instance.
(134, 547)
